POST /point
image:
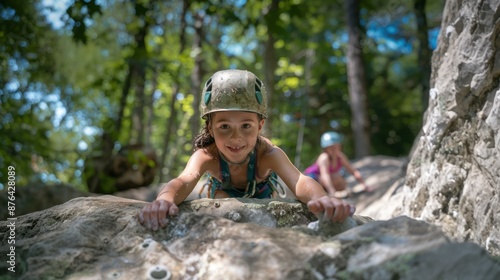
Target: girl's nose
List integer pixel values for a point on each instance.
(235, 135)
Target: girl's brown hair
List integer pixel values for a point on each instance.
(204, 139)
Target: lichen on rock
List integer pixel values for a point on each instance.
(101, 238)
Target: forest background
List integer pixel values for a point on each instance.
(83, 81)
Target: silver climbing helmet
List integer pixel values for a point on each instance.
(233, 90)
(330, 138)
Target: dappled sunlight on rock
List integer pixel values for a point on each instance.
(101, 238)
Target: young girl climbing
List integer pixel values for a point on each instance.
(239, 161)
(327, 167)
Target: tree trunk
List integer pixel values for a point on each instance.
(123, 103)
(305, 99)
(424, 52)
(197, 74)
(182, 36)
(171, 124)
(148, 128)
(137, 129)
(169, 131)
(270, 16)
(139, 77)
(357, 82)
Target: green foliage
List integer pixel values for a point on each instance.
(26, 64)
(61, 87)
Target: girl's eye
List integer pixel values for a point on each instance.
(246, 125)
(224, 126)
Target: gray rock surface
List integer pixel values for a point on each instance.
(100, 238)
(453, 178)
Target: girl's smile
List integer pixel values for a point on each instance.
(235, 149)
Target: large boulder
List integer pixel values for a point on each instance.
(100, 238)
(453, 178)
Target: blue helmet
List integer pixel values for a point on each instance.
(330, 138)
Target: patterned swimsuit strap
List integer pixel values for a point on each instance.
(226, 175)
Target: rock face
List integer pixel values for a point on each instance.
(453, 178)
(100, 238)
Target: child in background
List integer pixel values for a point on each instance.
(327, 167)
(240, 162)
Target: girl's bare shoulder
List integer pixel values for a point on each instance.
(208, 151)
(265, 147)
(270, 154)
(207, 156)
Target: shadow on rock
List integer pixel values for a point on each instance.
(100, 238)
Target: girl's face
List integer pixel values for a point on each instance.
(235, 133)
(333, 149)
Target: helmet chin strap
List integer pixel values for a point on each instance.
(245, 160)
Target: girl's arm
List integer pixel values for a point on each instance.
(324, 173)
(178, 189)
(305, 188)
(352, 170)
(174, 192)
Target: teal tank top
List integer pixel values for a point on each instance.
(253, 189)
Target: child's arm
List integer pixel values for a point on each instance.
(174, 192)
(324, 173)
(352, 170)
(305, 188)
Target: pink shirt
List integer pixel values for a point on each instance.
(314, 168)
